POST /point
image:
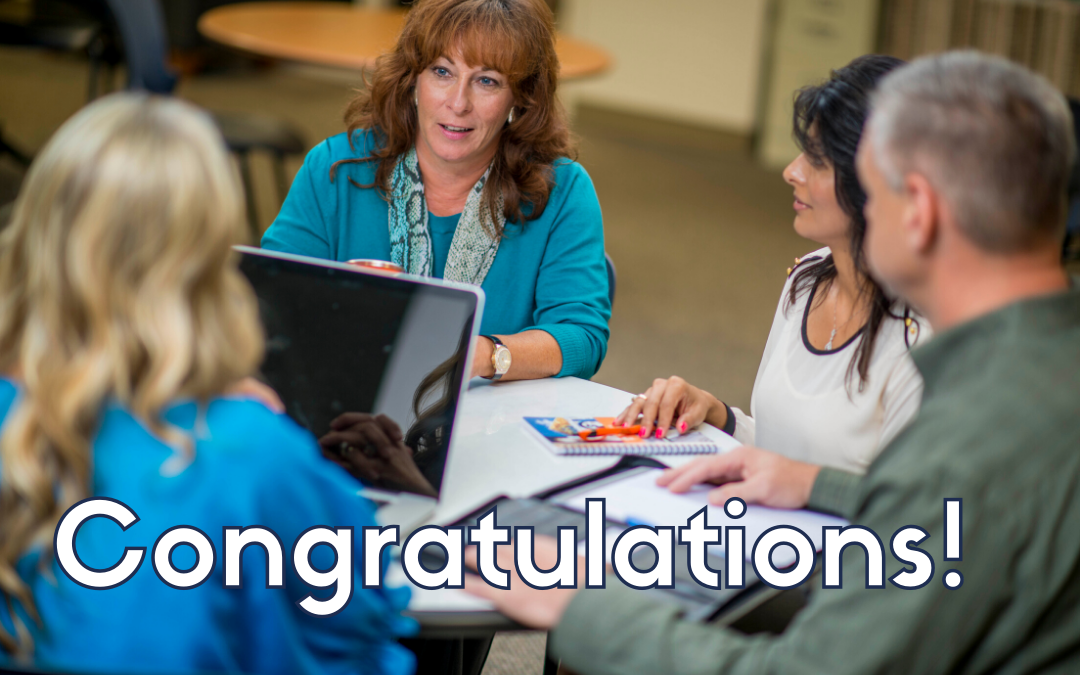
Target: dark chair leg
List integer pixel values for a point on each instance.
(455, 656)
(279, 177)
(1072, 231)
(435, 657)
(551, 664)
(474, 653)
(249, 195)
(96, 52)
(94, 78)
(110, 78)
(19, 155)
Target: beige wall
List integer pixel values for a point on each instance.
(695, 61)
(811, 39)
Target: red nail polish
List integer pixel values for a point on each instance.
(682, 428)
(643, 433)
(659, 433)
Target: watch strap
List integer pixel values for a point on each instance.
(498, 343)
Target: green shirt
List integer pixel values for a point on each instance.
(999, 427)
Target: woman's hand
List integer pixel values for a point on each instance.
(371, 447)
(534, 354)
(673, 399)
(521, 602)
(753, 475)
(481, 362)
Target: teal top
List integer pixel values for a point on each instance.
(250, 467)
(442, 234)
(999, 429)
(549, 274)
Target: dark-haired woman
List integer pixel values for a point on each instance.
(835, 383)
(455, 165)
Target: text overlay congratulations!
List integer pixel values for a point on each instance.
(697, 535)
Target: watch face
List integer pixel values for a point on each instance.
(502, 359)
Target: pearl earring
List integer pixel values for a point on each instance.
(510, 120)
(416, 98)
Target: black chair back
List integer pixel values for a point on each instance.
(141, 28)
(1069, 249)
(142, 32)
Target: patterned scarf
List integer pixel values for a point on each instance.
(474, 245)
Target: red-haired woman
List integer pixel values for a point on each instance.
(456, 165)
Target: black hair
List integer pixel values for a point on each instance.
(828, 122)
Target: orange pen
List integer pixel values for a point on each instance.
(611, 431)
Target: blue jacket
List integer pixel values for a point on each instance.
(250, 467)
(549, 274)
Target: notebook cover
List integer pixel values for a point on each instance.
(547, 431)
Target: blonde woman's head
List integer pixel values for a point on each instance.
(116, 282)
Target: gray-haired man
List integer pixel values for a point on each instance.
(964, 162)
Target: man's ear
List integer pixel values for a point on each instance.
(922, 216)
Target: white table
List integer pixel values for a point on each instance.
(492, 454)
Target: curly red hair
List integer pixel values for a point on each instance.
(513, 37)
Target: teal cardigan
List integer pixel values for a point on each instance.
(549, 275)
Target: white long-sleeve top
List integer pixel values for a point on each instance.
(805, 407)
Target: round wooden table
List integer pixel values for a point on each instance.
(342, 35)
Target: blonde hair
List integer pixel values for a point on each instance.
(117, 282)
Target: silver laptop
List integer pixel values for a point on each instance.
(345, 344)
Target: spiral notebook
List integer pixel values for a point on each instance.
(564, 436)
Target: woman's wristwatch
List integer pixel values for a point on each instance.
(500, 358)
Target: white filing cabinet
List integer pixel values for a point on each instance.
(809, 38)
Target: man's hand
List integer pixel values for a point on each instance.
(521, 602)
(754, 475)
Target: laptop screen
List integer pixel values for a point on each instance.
(344, 346)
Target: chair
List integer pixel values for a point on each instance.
(1070, 248)
(57, 31)
(7, 149)
(5, 214)
(142, 33)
